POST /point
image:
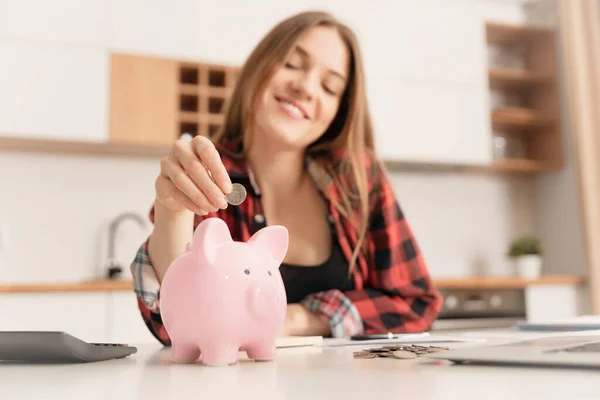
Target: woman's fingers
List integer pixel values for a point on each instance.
(208, 154)
(186, 186)
(173, 198)
(200, 176)
(193, 176)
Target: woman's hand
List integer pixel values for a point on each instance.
(301, 322)
(193, 177)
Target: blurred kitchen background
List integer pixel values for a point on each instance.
(484, 111)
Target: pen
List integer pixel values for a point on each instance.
(389, 335)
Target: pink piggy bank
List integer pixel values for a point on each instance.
(220, 296)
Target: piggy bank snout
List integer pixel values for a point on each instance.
(267, 300)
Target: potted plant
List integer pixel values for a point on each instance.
(527, 255)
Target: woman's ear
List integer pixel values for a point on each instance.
(274, 239)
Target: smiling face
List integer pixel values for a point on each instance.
(304, 93)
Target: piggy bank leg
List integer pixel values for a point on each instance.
(215, 355)
(182, 353)
(261, 351)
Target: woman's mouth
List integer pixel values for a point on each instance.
(292, 109)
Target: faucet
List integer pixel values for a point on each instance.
(113, 266)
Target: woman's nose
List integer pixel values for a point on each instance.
(305, 86)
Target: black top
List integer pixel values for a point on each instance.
(301, 281)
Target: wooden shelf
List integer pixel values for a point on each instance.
(520, 120)
(500, 34)
(530, 119)
(194, 117)
(79, 148)
(88, 286)
(196, 90)
(203, 91)
(507, 282)
(443, 283)
(518, 165)
(507, 78)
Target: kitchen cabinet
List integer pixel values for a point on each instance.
(81, 314)
(53, 91)
(428, 104)
(429, 123)
(99, 316)
(125, 323)
(155, 100)
(107, 311)
(426, 41)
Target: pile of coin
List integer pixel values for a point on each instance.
(400, 351)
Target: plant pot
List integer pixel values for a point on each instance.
(529, 266)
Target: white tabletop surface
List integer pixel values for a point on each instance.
(305, 373)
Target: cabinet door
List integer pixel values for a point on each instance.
(425, 122)
(82, 315)
(427, 81)
(143, 100)
(52, 91)
(126, 324)
(431, 40)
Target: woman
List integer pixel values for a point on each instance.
(298, 136)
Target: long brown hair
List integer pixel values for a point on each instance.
(350, 133)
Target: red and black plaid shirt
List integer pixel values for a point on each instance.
(392, 292)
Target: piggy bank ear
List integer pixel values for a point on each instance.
(273, 239)
(209, 236)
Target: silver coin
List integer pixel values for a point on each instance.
(237, 195)
(404, 355)
(364, 355)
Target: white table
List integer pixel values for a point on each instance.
(307, 373)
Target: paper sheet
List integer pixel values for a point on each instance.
(297, 341)
(408, 339)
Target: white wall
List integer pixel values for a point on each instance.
(54, 209)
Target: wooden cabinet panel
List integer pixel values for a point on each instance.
(52, 91)
(143, 100)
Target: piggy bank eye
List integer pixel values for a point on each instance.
(247, 271)
(269, 272)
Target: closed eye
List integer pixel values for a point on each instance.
(329, 90)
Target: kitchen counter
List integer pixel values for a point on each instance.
(313, 373)
(442, 283)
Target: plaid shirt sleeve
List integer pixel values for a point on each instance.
(399, 295)
(342, 315)
(147, 289)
